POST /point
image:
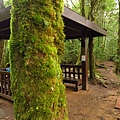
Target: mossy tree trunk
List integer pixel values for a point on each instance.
(118, 50)
(1, 41)
(91, 59)
(1, 4)
(91, 47)
(91, 16)
(1, 51)
(4, 52)
(36, 43)
(82, 7)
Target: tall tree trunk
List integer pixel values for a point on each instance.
(1, 41)
(1, 51)
(36, 43)
(118, 50)
(5, 53)
(1, 4)
(91, 46)
(91, 59)
(82, 4)
(82, 7)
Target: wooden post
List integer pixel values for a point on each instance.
(84, 59)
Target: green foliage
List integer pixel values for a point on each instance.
(105, 14)
(100, 52)
(5, 53)
(72, 51)
(106, 48)
(7, 3)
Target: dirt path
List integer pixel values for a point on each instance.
(95, 104)
(6, 110)
(98, 102)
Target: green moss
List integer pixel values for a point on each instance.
(36, 44)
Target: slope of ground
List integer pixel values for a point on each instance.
(6, 110)
(98, 103)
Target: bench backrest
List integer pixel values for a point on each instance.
(71, 71)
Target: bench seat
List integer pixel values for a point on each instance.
(77, 82)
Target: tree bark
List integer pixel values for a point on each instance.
(1, 51)
(4, 53)
(36, 44)
(1, 42)
(91, 46)
(118, 50)
(91, 59)
(1, 4)
(82, 7)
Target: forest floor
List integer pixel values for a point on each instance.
(97, 103)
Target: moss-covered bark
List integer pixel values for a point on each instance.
(1, 52)
(91, 59)
(118, 50)
(4, 52)
(36, 43)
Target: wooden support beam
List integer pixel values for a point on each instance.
(84, 59)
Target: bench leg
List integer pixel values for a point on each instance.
(76, 87)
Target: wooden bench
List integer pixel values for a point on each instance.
(5, 84)
(72, 74)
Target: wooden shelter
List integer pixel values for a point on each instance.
(76, 26)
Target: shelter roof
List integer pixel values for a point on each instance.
(76, 26)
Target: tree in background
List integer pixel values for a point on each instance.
(95, 6)
(36, 44)
(88, 10)
(118, 51)
(2, 47)
(2, 4)
(106, 48)
(7, 3)
(104, 13)
(4, 51)
(71, 52)
(83, 7)
(1, 51)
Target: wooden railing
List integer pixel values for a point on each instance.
(5, 85)
(72, 74)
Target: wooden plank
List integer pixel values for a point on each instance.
(68, 13)
(71, 15)
(71, 65)
(75, 25)
(5, 14)
(6, 96)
